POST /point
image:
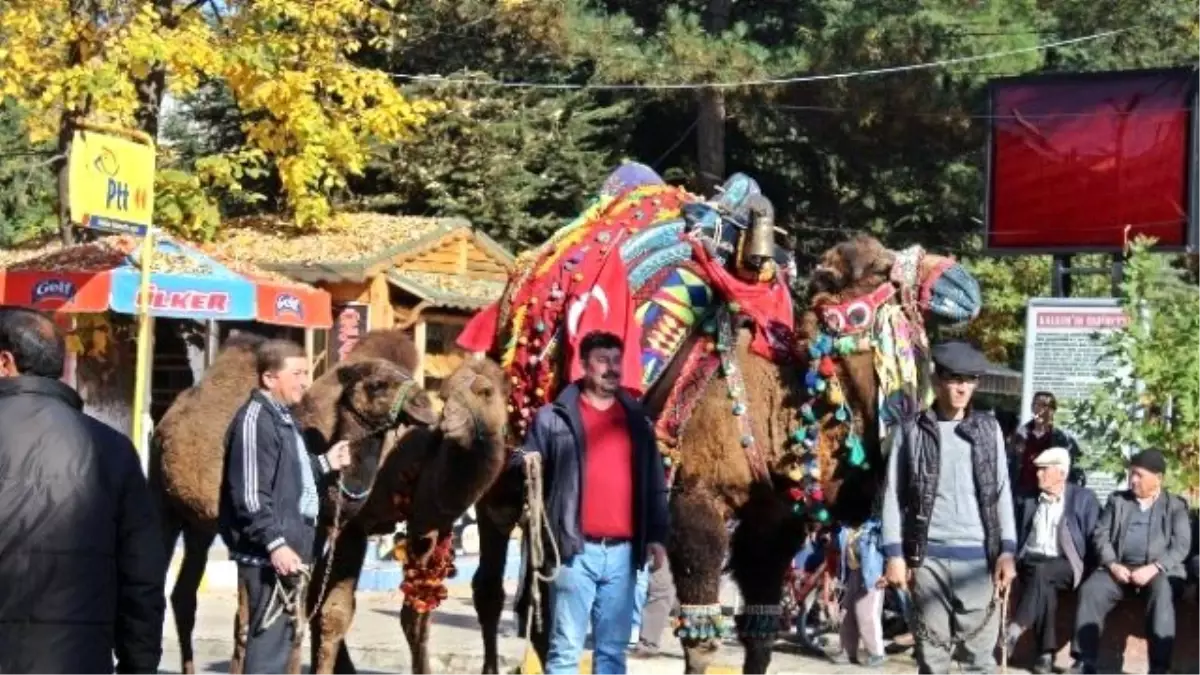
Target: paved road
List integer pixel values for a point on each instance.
(378, 646)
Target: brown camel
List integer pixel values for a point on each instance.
(187, 452)
(426, 478)
(772, 444)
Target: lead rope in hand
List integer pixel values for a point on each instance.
(288, 599)
(1004, 629)
(536, 512)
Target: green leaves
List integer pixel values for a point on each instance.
(1149, 398)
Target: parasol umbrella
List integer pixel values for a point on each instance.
(104, 276)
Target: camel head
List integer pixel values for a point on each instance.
(864, 332)
(370, 402)
(476, 404)
(470, 456)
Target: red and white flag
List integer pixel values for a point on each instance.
(607, 305)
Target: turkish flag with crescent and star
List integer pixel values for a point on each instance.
(606, 304)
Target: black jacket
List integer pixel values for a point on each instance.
(1170, 531)
(262, 485)
(557, 435)
(82, 563)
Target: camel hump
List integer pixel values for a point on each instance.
(392, 345)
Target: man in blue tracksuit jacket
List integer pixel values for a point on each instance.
(269, 501)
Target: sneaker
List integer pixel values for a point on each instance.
(874, 661)
(643, 651)
(1081, 668)
(1043, 665)
(1011, 636)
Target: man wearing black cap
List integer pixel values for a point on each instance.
(1142, 539)
(948, 514)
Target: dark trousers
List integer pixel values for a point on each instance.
(1041, 580)
(1100, 593)
(267, 649)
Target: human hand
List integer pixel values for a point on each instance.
(1143, 575)
(896, 573)
(338, 456)
(658, 555)
(1006, 571)
(1120, 573)
(285, 561)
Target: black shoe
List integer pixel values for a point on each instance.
(1081, 668)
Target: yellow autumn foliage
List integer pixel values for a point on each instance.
(313, 112)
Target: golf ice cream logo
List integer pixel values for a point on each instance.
(53, 289)
(286, 303)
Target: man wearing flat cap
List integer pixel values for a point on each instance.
(1054, 530)
(1141, 542)
(948, 515)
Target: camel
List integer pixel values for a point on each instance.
(428, 478)
(771, 442)
(187, 451)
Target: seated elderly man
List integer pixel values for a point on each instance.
(1054, 527)
(1141, 541)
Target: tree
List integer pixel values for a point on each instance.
(307, 108)
(1150, 396)
(26, 190)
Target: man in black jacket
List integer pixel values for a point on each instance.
(1054, 532)
(1141, 542)
(269, 501)
(81, 557)
(606, 506)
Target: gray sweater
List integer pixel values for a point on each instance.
(955, 527)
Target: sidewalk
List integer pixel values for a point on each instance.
(378, 646)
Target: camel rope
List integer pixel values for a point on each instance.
(536, 513)
(1003, 628)
(288, 598)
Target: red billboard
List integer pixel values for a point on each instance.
(1075, 159)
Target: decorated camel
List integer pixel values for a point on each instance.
(774, 426)
(370, 399)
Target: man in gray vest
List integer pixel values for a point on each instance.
(1054, 528)
(948, 514)
(1141, 542)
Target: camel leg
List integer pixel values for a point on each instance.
(429, 563)
(416, 630)
(487, 586)
(196, 543)
(767, 538)
(696, 549)
(332, 622)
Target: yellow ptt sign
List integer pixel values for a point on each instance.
(111, 182)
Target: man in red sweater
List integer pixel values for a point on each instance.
(1035, 437)
(606, 504)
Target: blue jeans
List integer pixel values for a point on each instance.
(597, 585)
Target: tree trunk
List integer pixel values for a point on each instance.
(153, 87)
(710, 123)
(61, 168)
(66, 132)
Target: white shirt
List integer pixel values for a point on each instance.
(1043, 539)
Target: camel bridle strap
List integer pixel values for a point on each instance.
(402, 395)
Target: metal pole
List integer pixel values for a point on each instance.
(141, 376)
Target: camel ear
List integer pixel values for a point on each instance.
(419, 408)
(349, 374)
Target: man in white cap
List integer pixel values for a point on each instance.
(1054, 527)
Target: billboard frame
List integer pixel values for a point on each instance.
(1191, 238)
